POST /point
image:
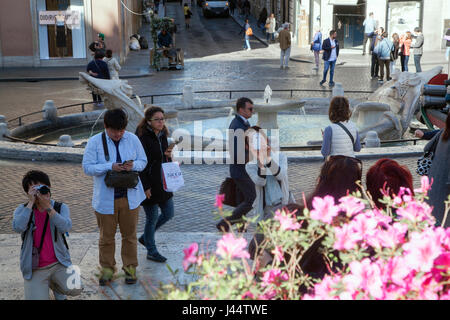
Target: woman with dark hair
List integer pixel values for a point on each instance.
(341, 137)
(338, 177)
(387, 174)
(440, 173)
(153, 133)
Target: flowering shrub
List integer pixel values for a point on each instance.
(396, 253)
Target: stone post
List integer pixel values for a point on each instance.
(372, 140)
(3, 131)
(338, 90)
(188, 96)
(50, 111)
(65, 141)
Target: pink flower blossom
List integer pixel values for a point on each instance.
(364, 226)
(441, 267)
(247, 295)
(219, 200)
(231, 247)
(325, 290)
(269, 295)
(416, 211)
(278, 253)
(393, 236)
(422, 249)
(365, 276)
(274, 276)
(351, 205)
(287, 221)
(324, 209)
(190, 255)
(346, 238)
(425, 185)
(395, 270)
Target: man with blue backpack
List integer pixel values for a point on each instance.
(383, 50)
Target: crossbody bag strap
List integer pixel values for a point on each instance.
(43, 233)
(348, 132)
(105, 146)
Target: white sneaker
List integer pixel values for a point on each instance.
(248, 49)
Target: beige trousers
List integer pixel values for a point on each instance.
(55, 277)
(127, 220)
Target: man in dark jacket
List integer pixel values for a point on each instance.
(98, 68)
(330, 49)
(238, 154)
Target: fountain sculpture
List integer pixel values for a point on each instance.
(389, 110)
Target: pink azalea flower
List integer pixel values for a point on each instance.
(324, 290)
(190, 255)
(425, 185)
(364, 226)
(441, 266)
(421, 250)
(416, 211)
(346, 238)
(445, 296)
(393, 236)
(269, 295)
(365, 276)
(351, 205)
(247, 295)
(324, 209)
(287, 221)
(231, 247)
(278, 253)
(396, 270)
(274, 276)
(219, 200)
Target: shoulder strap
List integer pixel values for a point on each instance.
(57, 206)
(105, 146)
(43, 233)
(348, 132)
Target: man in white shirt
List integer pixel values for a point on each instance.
(369, 27)
(115, 206)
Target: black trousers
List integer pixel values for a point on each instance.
(374, 67)
(247, 195)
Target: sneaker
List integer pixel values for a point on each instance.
(106, 277)
(248, 49)
(316, 68)
(389, 79)
(322, 82)
(286, 67)
(281, 67)
(380, 80)
(156, 257)
(331, 84)
(130, 275)
(141, 240)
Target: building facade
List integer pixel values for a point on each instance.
(347, 17)
(36, 33)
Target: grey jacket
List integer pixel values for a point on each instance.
(440, 173)
(61, 221)
(418, 45)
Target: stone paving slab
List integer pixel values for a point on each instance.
(194, 204)
(84, 253)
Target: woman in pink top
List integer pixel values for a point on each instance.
(405, 45)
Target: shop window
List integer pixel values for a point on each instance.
(403, 16)
(59, 35)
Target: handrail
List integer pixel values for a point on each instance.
(318, 147)
(230, 92)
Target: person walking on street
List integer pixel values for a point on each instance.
(383, 51)
(42, 223)
(153, 134)
(374, 65)
(418, 48)
(405, 45)
(187, 15)
(239, 155)
(395, 51)
(285, 46)
(270, 28)
(110, 151)
(316, 47)
(98, 68)
(113, 65)
(330, 49)
(247, 30)
(369, 28)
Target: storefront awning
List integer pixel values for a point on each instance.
(343, 2)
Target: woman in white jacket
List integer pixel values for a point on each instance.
(268, 170)
(271, 27)
(113, 65)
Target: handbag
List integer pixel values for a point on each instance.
(249, 31)
(172, 176)
(425, 161)
(119, 179)
(36, 252)
(229, 189)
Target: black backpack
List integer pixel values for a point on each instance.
(57, 207)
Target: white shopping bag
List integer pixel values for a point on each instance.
(172, 176)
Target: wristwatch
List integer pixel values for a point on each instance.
(48, 210)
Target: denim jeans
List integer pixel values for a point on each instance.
(329, 65)
(284, 57)
(247, 44)
(270, 36)
(153, 222)
(404, 61)
(417, 58)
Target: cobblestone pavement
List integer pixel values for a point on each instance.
(194, 204)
